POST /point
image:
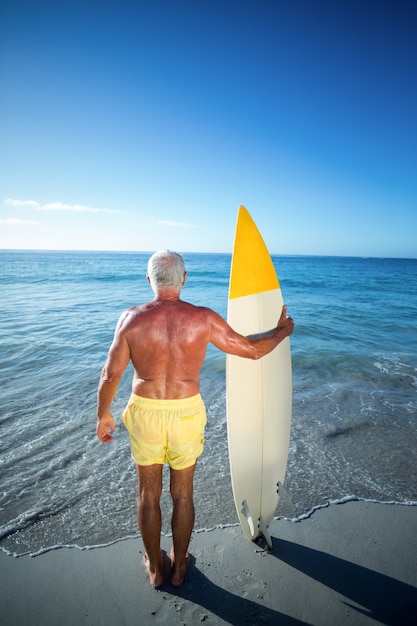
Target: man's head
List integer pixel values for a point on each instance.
(166, 269)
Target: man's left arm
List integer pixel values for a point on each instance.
(251, 346)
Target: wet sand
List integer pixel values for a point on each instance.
(353, 563)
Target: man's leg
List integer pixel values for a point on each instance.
(149, 519)
(182, 520)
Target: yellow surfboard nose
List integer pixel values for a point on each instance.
(246, 276)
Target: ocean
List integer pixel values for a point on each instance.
(354, 425)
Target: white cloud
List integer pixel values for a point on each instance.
(15, 221)
(173, 223)
(78, 208)
(13, 202)
(57, 206)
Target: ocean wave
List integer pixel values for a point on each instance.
(197, 531)
(354, 426)
(344, 500)
(27, 519)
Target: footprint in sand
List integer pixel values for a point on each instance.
(219, 551)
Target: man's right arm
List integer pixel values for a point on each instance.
(254, 346)
(117, 360)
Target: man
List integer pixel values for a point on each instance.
(166, 340)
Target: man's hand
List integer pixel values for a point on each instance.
(104, 427)
(285, 322)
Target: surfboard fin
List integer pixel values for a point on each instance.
(264, 535)
(246, 512)
(263, 538)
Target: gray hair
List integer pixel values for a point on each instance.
(166, 269)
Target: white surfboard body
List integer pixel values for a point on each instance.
(258, 393)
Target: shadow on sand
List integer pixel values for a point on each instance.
(227, 606)
(382, 598)
(377, 596)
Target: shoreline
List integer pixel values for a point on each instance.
(350, 562)
(196, 531)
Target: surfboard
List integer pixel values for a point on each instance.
(258, 393)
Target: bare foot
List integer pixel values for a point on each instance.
(156, 577)
(178, 569)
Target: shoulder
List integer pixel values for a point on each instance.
(199, 316)
(202, 311)
(213, 319)
(130, 315)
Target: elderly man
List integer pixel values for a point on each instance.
(166, 340)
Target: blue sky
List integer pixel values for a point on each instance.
(139, 125)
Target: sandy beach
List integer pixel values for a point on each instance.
(353, 563)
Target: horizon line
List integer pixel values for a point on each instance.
(72, 250)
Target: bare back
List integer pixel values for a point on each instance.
(167, 342)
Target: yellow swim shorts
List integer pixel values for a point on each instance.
(165, 431)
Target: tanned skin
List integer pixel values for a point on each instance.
(166, 340)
